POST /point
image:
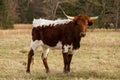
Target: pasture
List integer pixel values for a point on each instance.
(97, 59)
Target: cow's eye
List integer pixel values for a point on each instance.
(76, 23)
(90, 23)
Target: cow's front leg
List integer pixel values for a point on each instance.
(67, 56)
(65, 59)
(30, 58)
(70, 54)
(44, 58)
(69, 61)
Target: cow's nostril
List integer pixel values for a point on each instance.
(82, 34)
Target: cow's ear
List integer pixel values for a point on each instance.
(90, 23)
(75, 20)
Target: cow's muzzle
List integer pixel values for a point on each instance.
(82, 34)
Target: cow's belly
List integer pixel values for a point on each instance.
(35, 44)
(58, 45)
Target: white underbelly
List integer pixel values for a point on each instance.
(58, 46)
(35, 44)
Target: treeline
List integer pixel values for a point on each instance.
(23, 11)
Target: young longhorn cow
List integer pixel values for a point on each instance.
(65, 34)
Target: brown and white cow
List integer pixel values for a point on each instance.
(65, 34)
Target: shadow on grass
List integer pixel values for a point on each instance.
(79, 75)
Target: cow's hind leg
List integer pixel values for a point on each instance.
(44, 58)
(34, 45)
(30, 58)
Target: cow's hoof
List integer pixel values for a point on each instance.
(28, 71)
(66, 72)
(48, 71)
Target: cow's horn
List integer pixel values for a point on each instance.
(93, 18)
(69, 17)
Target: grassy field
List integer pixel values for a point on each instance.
(97, 59)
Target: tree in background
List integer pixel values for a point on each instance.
(117, 10)
(23, 11)
(47, 8)
(12, 10)
(25, 14)
(108, 11)
(5, 19)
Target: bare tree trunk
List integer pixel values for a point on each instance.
(12, 6)
(54, 12)
(117, 14)
(104, 7)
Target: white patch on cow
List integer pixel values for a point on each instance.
(67, 48)
(45, 53)
(58, 45)
(35, 44)
(44, 22)
(70, 49)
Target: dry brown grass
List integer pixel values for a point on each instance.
(22, 26)
(4, 33)
(97, 59)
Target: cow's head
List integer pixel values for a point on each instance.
(82, 21)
